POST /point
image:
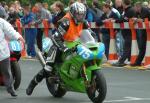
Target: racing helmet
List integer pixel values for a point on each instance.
(78, 12)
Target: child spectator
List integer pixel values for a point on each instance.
(30, 33)
(12, 16)
(41, 14)
(18, 8)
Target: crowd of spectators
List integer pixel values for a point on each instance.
(119, 11)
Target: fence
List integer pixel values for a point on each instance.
(111, 26)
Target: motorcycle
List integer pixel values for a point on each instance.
(15, 54)
(80, 70)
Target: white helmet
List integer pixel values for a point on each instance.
(78, 12)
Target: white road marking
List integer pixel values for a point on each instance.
(127, 99)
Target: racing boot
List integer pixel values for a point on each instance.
(31, 87)
(44, 73)
(38, 78)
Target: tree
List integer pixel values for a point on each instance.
(64, 1)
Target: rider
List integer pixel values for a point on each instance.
(68, 30)
(7, 31)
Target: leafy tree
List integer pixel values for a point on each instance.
(64, 1)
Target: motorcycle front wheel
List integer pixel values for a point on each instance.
(55, 88)
(98, 88)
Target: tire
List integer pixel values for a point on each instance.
(55, 88)
(16, 73)
(98, 89)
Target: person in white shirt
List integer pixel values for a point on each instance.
(7, 31)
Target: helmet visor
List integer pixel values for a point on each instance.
(79, 17)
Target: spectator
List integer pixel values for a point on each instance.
(119, 39)
(145, 4)
(107, 16)
(97, 10)
(5, 6)
(45, 5)
(12, 16)
(97, 14)
(34, 10)
(30, 33)
(18, 8)
(141, 14)
(59, 12)
(3, 3)
(70, 2)
(12, 4)
(41, 14)
(126, 33)
(119, 6)
(5, 15)
(113, 9)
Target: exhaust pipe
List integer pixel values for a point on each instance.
(42, 61)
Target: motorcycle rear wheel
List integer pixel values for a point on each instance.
(55, 88)
(98, 88)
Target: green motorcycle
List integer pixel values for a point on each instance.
(80, 70)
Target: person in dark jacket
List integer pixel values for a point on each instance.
(97, 12)
(129, 12)
(108, 15)
(141, 14)
(58, 12)
(118, 5)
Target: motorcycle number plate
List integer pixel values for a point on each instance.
(14, 46)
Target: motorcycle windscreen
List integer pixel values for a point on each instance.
(86, 37)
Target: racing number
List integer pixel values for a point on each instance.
(15, 46)
(84, 53)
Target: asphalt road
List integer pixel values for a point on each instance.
(124, 86)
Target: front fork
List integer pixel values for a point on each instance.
(87, 73)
